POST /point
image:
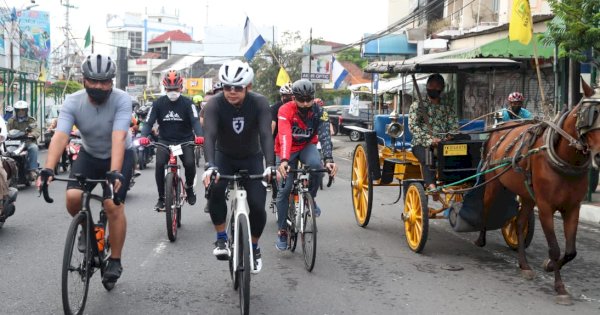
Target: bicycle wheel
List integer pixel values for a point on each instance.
(308, 233)
(230, 239)
(292, 234)
(244, 265)
(179, 203)
(170, 205)
(76, 267)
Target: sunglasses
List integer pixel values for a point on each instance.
(237, 88)
(304, 99)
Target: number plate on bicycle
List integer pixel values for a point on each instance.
(176, 149)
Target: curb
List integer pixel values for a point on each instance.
(589, 213)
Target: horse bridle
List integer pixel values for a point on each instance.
(587, 116)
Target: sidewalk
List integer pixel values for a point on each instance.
(590, 210)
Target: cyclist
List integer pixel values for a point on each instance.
(102, 115)
(217, 87)
(27, 124)
(177, 122)
(286, 95)
(237, 136)
(301, 124)
(515, 109)
(197, 100)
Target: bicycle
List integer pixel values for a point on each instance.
(198, 154)
(80, 264)
(241, 259)
(301, 215)
(175, 195)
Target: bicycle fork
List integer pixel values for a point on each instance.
(241, 213)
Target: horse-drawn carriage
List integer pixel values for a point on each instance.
(386, 159)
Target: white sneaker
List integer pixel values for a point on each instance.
(221, 250)
(257, 261)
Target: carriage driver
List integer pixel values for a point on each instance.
(428, 121)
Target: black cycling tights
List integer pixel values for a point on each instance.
(162, 158)
(255, 191)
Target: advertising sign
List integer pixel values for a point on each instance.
(136, 80)
(320, 66)
(34, 43)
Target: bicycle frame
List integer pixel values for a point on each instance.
(300, 186)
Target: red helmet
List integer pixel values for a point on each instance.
(172, 80)
(319, 102)
(516, 97)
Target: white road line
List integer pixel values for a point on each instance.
(157, 251)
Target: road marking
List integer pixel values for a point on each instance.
(157, 251)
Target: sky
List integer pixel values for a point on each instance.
(338, 21)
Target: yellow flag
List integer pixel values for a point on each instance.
(520, 27)
(282, 77)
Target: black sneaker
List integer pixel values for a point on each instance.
(160, 205)
(221, 250)
(191, 195)
(257, 261)
(112, 271)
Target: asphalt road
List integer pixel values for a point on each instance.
(358, 270)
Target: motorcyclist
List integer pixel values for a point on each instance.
(27, 124)
(3, 175)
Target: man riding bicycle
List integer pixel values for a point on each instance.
(301, 123)
(237, 135)
(102, 115)
(178, 122)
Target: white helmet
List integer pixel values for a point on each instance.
(286, 89)
(236, 72)
(21, 105)
(9, 108)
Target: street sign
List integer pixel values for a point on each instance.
(136, 80)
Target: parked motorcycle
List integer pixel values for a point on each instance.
(15, 147)
(145, 154)
(10, 166)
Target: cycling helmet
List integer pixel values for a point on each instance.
(197, 99)
(319, 102)
(98, 67)
(217, 87)
(172, 80)
(303, 88)
(236, 72)
(9, 108)
(134, 104)
(143, 111)
(516, 97)
(21, 105)
(286, 89)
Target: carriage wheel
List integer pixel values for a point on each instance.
(416, 217)
(362, 187)
(509, 231)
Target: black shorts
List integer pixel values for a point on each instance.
(95, 168)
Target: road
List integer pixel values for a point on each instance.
(358, 270)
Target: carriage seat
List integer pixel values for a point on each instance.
(379, 126)
(476, 125)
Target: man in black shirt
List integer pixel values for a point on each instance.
(237, 134)
(177, 122)
(286, 95)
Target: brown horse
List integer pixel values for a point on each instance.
(552, 174)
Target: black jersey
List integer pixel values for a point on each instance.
(274, 110)
(177, 121)
(238, 132)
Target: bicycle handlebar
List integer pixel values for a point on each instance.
(82, 180)
(307, 170)
(236, 177)
(168, 147)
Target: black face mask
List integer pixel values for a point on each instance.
(99, 96)
(304, 110)
(434, 93)
(515, 109)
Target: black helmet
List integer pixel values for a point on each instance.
(143, 110)
(98, 67)
(303, 88)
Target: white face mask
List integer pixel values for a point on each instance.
(173, 96)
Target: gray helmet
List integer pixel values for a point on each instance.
(303, 88)
(98, 67)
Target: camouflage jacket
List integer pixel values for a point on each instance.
(429, 120)
(13, 123)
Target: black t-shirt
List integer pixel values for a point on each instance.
(238, 132)
(274, 110)
(177, 121)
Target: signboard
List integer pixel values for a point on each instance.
(194, 85)
(134, 91)
(320, 65)
(34, 28)
(136, 80)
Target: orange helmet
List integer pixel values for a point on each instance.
(172, 80)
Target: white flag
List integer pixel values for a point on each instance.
(252, 40)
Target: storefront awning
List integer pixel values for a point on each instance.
(513, 49)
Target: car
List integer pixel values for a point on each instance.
(345, 119)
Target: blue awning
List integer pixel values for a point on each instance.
(392, 44)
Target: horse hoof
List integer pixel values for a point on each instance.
(563, 299)
(547, 265)
(479, 243)
(528, 274)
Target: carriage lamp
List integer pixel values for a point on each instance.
(394, 129)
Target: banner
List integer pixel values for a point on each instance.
(282, 77)
(520, 27)
(320, 65)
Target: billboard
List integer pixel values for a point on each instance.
(34, 43)
(320, 65)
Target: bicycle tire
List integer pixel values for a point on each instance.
(244, 265)
(180, 203)
(79, 269)
(292, 234)
(230, 239)
(308, 233)
(170, 209)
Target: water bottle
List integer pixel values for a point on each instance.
(99, 229)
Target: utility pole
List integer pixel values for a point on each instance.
(67, 32)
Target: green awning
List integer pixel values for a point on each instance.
(503, 48)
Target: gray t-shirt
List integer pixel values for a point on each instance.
(96, 122)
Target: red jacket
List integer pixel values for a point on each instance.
(295, 132)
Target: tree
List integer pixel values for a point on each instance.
(56, 88)
(575, 29)
(352, 55)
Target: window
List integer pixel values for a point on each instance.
(135, 40)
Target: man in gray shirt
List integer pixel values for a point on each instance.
(102, 114)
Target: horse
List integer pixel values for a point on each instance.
(546, 158)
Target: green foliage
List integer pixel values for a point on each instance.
(575, 29)
(56, 88)
(352, 55)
